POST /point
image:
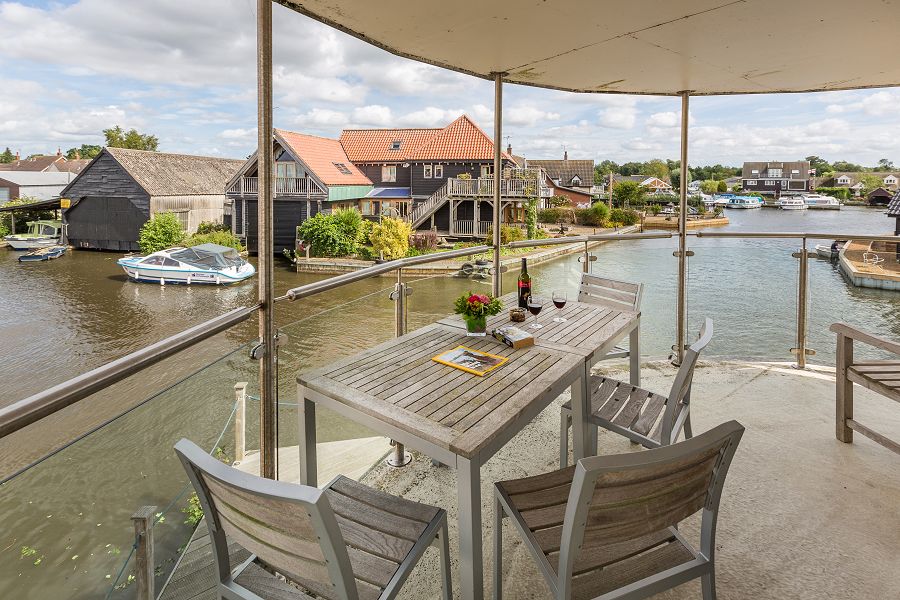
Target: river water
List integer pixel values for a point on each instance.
(66, 528)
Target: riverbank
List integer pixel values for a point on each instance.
(449, 267)
(881, 271)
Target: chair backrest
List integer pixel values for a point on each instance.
(289, 527)
(619, 498)
(620, 295)
(680, 395)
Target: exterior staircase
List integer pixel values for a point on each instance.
(424, 210)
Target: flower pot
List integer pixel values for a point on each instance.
(476, 326)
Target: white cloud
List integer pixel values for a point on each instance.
(528, 116)
(664, 119)
(373, 115)
(618, 117)
(319, 118)
(238, 134)
(877, 104)
(430, 116)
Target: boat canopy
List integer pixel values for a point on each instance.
(209, 256)
(703, 47)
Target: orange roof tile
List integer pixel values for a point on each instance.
(460, 140)
(365, 145)
(322, 155)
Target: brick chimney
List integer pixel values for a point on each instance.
(58, 151)
(17, 155)
(509, 149)
(565, 155)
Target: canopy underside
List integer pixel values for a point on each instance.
(706, 47)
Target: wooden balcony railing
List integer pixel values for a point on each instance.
(284, 186)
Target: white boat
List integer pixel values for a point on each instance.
(830, 252)
(792, 203)
(41, 234)
(820, 201)
(204, 264)
(744, 202)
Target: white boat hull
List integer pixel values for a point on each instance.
(164, 276)
(19, 243)
(794, 207)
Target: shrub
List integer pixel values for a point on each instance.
(350, 223)
(424, 240)
(558, 201)
(365, 253)
(365, 231)
(555, 215)
(221, 238)
(531, 218)
(161, 232)
(507, 234)
(624, 217)
(211, 227)
(722, 187)
(335, 234)
(655, 209)
(390, 238)
(840, 193)
(628, 192)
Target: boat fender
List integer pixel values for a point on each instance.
(162, 281)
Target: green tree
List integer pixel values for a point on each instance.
(85, 151)
(656, 168)
(709, 186)
(675, 177)
(819, 164)
(842, 165)
(722, 187)
(531, 218)
(7, 156)
(390, 238)
(116, 137)
(161, 232)
(604, 169)
(885, 165)
(628, 192)
(870, 182)
(337, 234)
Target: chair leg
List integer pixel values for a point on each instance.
(688, 434)
(708, 583)
(565, 421)
(593, 439)
(447, 584)
(498, 549)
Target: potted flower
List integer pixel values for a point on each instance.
(475, 309)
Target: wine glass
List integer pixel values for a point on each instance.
(559, 300)
(535, 305)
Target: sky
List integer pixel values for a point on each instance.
(185, 71)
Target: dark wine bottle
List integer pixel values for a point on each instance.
(524, 285)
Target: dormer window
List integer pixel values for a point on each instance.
(575, 180)
(342, 168)
(890, 180)
(843, 179)
(395, 145)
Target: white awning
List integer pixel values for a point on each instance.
(705, 47)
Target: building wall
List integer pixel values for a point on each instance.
(288, 214)
(373, 172)
(104, 223)
(199, 209)
(105, 177)
(414, 176)
(8, 191)
(41, 192)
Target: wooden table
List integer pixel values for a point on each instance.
(458, 418)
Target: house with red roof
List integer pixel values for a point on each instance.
(437, 178)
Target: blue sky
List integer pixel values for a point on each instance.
(185, 71)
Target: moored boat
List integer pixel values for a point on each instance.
(41, 254)
(41, 234)
(821, 201)
(830, 252)
(203, 264)
(744, 202)
(792, 203)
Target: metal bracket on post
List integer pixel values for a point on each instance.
(687, 253)
(399, 457)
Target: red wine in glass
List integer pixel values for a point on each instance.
(559, 300)
(534, 307)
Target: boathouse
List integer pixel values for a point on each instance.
(121, 189)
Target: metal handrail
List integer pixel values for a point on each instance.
(596, 237)
(34, 408)
(795, 235)
(318, 287)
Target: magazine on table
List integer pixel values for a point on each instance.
(469, 360)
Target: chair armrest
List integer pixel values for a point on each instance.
(866, 338)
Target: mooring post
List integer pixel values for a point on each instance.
(143, 555)
(400, 457)
(240, 419)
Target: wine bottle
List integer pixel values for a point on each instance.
(524, 285)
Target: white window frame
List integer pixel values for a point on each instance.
(486, 171)
(754, 171)
(750, 182)
(890, 180)
(438, 171)
(775, 173)
(389, 173)
(576, 180)
(843, 180)
(427, 171)
(795, 171)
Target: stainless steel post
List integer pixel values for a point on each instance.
(586, 267)
(498, 122)
(681, 310)
(400, 457)
(267, 401)
(802, 291)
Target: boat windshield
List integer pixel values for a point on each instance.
(209, 256)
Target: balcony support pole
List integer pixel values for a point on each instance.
(681, 309)
(498, 124)
(267, 401)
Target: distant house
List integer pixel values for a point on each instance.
(48, 163)
(890, 180)
(310, 173)
(42, 185)
(576, 196)
(570, 174)
(879, 197)
(776, 178)
(654, 185)
(121, 189)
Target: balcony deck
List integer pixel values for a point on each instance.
(803, 515)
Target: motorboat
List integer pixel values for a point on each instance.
(744, 202)
(42, 254)
(203, 264)
(792, 203)
(723, 199)
(41, 234)
(821, 201)
(830, 252)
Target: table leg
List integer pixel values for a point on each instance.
(307, 441)
(581, 400)
(634, 352)
(471, 558)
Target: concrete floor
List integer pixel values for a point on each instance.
(802, 516)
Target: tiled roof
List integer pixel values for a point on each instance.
(73, 165)
(565, 170)
(36, 177)
(37, 163)
(460, 140)
(894, 206)
(164, 174)
(322, 156)
(374, 145)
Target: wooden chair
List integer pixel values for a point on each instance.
(343, 542)
(619, 295)
(632, 411)
(608, 527)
